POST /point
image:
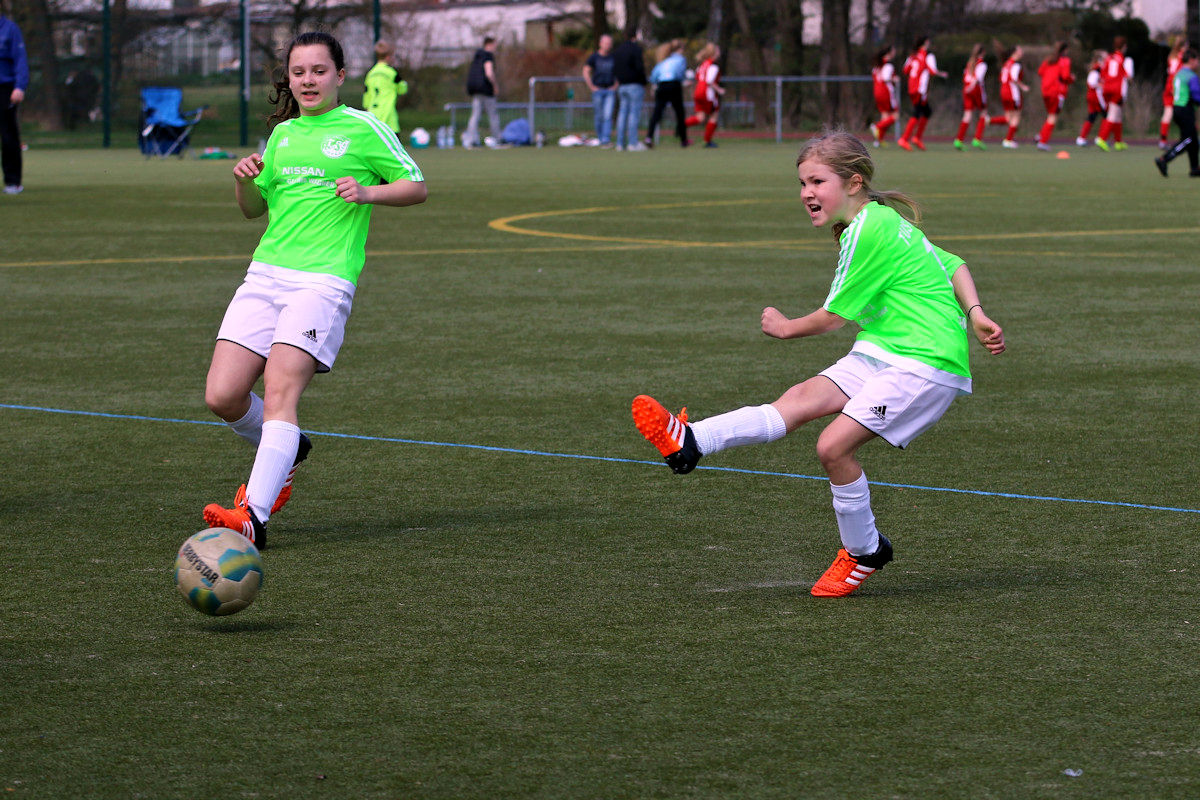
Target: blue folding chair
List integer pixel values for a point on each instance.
(164, 129)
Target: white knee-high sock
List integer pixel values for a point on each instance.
(856, 521)
(746, 425)
(249, 427)
(273, 462)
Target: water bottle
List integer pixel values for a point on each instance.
(441, 137)
(540, 139)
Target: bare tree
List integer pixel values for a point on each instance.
(599, 19)
(34, 18)
(835, 60)
(1193, 21)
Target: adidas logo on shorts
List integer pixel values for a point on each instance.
(879, 411)
(311, 335)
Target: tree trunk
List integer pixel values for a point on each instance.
(40, 30)
(599, 19)
(835, 60)
(716, 20)
(1193, 21)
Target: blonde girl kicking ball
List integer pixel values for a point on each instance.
(323, 169)
(913, 303)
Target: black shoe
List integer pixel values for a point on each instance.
(881, 556)
(302, 449)
(684, 143)
(1162, 166)
(648, 142)
(1194, 173)
(710, 144)
(684, 460)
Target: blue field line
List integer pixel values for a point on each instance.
(549, 454)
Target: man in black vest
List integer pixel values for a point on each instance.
(481, 85)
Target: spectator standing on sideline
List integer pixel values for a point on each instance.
(629, 69)
(598, 74)
(667, 77)
(481, 85)
(1186, 95)
(14, 80)
(1056, 76)
(383, 86)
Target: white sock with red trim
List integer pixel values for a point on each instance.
(746, 425)
(855, 519)
(272, 464)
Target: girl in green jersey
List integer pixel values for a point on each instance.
(324, 168)
(913, 303)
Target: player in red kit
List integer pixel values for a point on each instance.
(917, 69)
(887, 93)
(1115, 73)
(1055, 73)
(1095, 98)
(1174, 62)
(1012, 93)
(706, 99)
(974, 99)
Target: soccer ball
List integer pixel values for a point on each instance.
(218, 571)
(419, 138)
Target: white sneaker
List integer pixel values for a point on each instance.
(1080, 141)
(1009, 143)
(1042, 146)
(620, 148)
(14, 189)
(637, 148)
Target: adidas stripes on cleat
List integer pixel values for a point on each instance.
(848, 572)
(669, 433)
(240, 519)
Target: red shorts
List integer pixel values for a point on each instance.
(973, 99)
(918, 98)
(704, 106)
(1093, 105)
(1112, 98)
(1169, 98)
(884, 101)
(1053, 102)
(1010, 103)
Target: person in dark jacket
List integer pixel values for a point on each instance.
(667, 77)
(14, 80)
(629, 68)
(481, 85)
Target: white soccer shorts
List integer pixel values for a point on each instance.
(267, 309)
(894, 403)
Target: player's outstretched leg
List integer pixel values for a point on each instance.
(668, 432)
(848, 572)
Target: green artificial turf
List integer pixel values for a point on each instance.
(487, 585)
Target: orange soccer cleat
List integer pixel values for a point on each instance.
(669, 433)
(848, 572)
(240, 519)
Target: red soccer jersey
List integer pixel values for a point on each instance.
(914, 68)
(708, 75)
(1113, 74)
(1055, 75)
(1173, 65)
(885, 87)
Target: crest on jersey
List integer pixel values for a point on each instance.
(335, 146)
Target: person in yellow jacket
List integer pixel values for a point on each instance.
(383, 86)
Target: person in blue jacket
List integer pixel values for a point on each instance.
(14, 80)
(667, 77)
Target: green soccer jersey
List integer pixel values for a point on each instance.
(310, 228)
(896, 286)
(381, 88)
